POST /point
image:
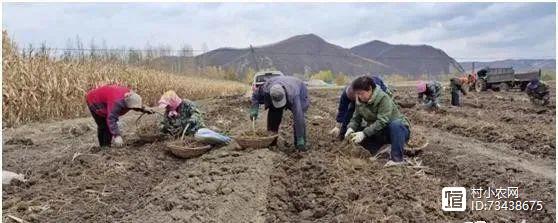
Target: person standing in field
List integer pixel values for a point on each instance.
(429, 94)
(106, 104)
(384, 123)
(346, 107)
(280, 93)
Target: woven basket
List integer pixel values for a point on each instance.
(417, 142)
(147, 129)
(183, 150)
(406, 104)
(150, 137)
(255, 142)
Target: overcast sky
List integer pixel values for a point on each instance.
(466, 31)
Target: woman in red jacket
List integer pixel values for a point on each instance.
(107, 103)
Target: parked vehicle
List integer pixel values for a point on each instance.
(503, 79)
(261, 76)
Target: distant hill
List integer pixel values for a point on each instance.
(309, 53)
(409, 59)
(518, 65)
(296, 55)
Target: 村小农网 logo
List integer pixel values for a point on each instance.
(454, 199)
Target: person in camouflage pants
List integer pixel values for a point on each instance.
(181, 116)
(429, 93)
(538, 92)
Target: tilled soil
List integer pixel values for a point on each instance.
(497, 139)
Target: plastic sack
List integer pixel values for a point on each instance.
(211, 137)
(8, 176)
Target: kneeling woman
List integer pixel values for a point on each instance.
(182, 117)
(385, 124)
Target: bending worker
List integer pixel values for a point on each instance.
(458, 84)
(278, 93)
(107, 103)
(346, 107)
(538, 92)
(429, 93)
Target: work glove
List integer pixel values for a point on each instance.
(253, 113)
(335, 131)
(117, 141)
(348, 133)
(301, 144)
(357, 137)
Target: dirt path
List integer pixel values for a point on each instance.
(70, 181)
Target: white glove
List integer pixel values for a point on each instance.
(334, 131)
(118, 141)
(348, 133)
(357, 137)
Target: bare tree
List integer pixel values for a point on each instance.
(44, 51)
(150, 54)
(92, 49)
(186, 50)
(30, 50)
(202, 58)
(68, 54)
(105, 53)
(80, 49)
(134, 57)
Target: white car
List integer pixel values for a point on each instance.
(261, 76)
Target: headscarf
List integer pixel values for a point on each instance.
(171, 102)
(421, 87)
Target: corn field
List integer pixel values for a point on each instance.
(40, 89)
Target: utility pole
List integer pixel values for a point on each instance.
(254, 57)
(473, 67)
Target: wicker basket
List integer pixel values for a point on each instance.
(417, 142)
(405, 104)
(255, 142)
(184, 150)
(147, 129)
(150, 137)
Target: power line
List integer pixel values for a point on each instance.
(155, 50)
(115, 49)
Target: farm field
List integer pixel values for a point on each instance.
(497, 139)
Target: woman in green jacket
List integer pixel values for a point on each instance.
(385, 124)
